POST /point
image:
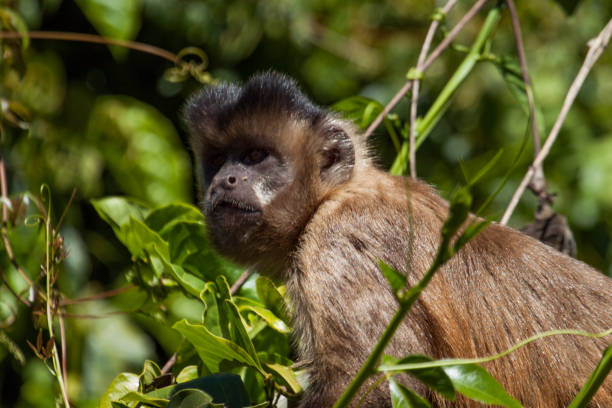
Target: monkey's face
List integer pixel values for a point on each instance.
(240, 183)
(266, 157)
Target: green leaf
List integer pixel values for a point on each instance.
(434, 377)
(281, 366)
(117, 211)
(396, 279)
(150, 372)
(187, 374)
(232, 325)
(212, 349)
(270, 318)
(119, 387)
(191, 284)
(156, 168)
(14, 20)
(271, 298)
(140, 239)
(227, 389)
(150, 401)
(163, 217)
(476, 383)
(113, 18)
(402, 397)
(190, 398)
(190, 248)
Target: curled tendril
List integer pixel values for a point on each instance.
(195, 66)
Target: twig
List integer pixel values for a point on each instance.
(166, 368)
(63, 346)
(596, 47)
(415, 84)
(92, 38)
(98, 296)
(538, 182)
(430, 60)
(241, 280)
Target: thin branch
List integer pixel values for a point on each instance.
(166, 368)
(92, 38)
(98, 296)
(241, 280)
(596, 48)
(538, 182)
(430, 60)
(415, 84)
(63, 347)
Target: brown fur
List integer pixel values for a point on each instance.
(323, 236)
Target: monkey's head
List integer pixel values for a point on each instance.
(265, 159)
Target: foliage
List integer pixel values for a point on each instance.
(144, 264)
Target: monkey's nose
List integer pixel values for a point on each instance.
(230, 182)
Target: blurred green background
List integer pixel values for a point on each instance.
(106, 121)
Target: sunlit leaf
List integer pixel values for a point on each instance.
(476, 383)
(281, 366)
(119, 387)
(161, 218)
(187, 374)
(133, 396)
(248, 305)
(213, 349)
(114, 18)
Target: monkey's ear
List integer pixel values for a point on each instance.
(337, 156)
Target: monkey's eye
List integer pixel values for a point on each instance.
(254, 156)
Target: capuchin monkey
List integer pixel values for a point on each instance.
(290, 189)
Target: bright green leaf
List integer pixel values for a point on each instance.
(113, 18)
(187, 374)
(117, 211)
(402, 397)
(281, 366)
(396, 279)
(213, 349)
(120, 386)
(162, 217)
(270, 318)
(191, 284)
(134, 396)
(476, 383)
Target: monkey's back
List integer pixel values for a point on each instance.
(501, 288)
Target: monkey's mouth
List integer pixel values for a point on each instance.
(229, 204)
